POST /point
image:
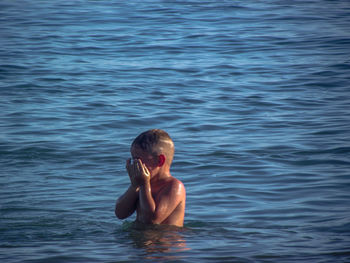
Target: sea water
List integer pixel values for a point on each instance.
(255, 94)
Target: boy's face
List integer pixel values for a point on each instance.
(145, 157)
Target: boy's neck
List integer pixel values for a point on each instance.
(160, 175)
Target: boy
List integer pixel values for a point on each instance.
(157, 197)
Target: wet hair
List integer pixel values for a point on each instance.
(155, 142)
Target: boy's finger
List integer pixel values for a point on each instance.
(127, 163)
(145, 169)
(139, 168)
(138, 163)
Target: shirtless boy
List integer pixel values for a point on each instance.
(157, 197)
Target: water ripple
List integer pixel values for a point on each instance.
(255, 96)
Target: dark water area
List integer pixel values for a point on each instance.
(255, 94)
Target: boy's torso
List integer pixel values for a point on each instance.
(176, 217)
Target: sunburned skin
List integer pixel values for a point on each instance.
(155, 195)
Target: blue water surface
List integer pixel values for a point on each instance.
(255, 94)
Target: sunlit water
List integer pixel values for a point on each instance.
(255, 95)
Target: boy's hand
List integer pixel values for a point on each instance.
(138, 172)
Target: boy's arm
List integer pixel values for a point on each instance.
(126, 204)
(147, 204)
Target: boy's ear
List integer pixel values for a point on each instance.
(161, 160)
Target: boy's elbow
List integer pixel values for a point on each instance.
(155, 218)
(150, 218)
(119, 213)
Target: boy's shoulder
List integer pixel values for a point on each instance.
(174, 181)
(173, 184)
(176, 185)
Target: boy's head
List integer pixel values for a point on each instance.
(156, 144)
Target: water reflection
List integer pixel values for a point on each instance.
(159, 241)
